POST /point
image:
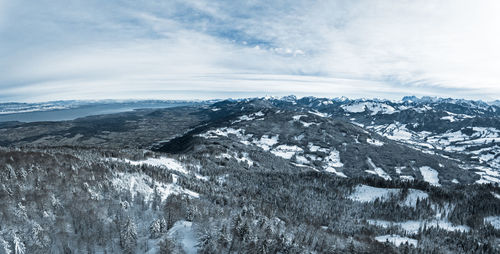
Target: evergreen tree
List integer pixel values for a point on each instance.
(128, 237)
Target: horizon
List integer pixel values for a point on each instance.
(89, 50)
(401, 99)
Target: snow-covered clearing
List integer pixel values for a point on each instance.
(222, 132)
(430, 175)
(377, 171)
(332, 161)
(266, 142)
(396, 240)
(365, 193)
(413, 196)
(163, 162)
(137, 183)
(374, 142)
(248, 117)
(286, 151)
(494, 221)
(184, 233)
(245, 159)
(412, 226)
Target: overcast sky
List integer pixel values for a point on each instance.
(120, 49)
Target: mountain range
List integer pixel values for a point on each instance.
(257, 175)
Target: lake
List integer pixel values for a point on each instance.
(87, 110)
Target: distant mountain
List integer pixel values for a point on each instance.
(496, 103)
(17, 108)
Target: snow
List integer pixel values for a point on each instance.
(248, 117)
(226, 131)
(313, 148)
(485, 179)
(184, 233)
(306, 124)
(162, 162)
(394, 131)
(266, 142)
(259, 114)
(413, 226)
(422, 109)
(332, 170)
(244, 118)
(137, 183)
(430, 175)
(399, 169)
(365, 193)
(413, 196)
(449, 118)
(297, 117)
(488, 175)
(299, 137)
(493, 220)
(286, 151)
(406, 178)
(354, 108)
(224, 156)
(32, 108)
(318, 113)
(396, 240)
(374, 107)
(374, 142)
(222, 132)
(496, 195)
(301, 159)
(377, 171)
(333, 161)
(245, 159)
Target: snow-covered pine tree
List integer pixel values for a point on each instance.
(19, 247)
(128, 237)
(4, 246)
(155, 229)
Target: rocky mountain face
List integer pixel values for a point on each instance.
(264, 175)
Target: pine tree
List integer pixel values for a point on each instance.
(4, 246)
(155, 229)
(19, 247)
(167, 246)
(128, 237)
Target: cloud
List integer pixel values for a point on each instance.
(92, 49)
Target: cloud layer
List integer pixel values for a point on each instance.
(54, 49)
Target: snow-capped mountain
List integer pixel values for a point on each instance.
(467, 132)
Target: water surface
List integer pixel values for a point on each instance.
(86, 110)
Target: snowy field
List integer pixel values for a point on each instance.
(396, 240)
(365, 193)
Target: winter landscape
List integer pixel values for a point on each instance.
(259, 175)
(283, 127)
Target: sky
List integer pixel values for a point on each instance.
(152, 49)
